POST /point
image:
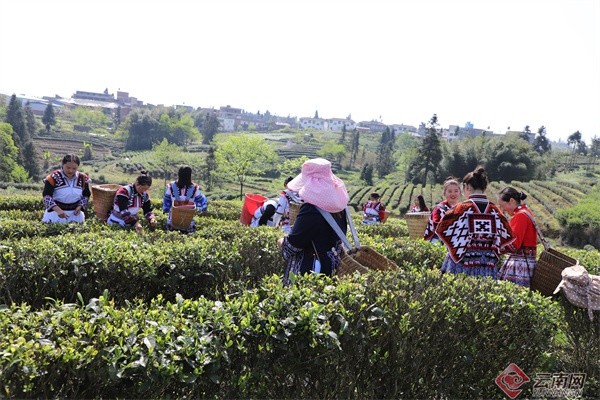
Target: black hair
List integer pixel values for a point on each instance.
(477, 179)
(511, 193)
(287, 180)
(184, 176)
(71, 158)
(375, 195)
(422, 205)
(144, 179)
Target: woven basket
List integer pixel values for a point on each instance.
(417, 222)
(293, 213)
(103, 197)
(372, 259)
(386, 215)
(547, 273)
(363, 259)
(348, 265)
(182, 216)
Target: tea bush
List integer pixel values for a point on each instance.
(407, 334)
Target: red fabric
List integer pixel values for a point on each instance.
(437, 214)
(523, 229)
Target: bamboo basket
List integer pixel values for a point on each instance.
(348, 265)
(103, 197)
(182, 216)
(372, 259)
(293, 213)
(417, 222)
(363, 259)
(547, 273)
(386, 215)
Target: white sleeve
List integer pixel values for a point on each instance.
(281, 207)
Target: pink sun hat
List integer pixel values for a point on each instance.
(317, 185)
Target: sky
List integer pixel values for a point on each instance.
(494, 63)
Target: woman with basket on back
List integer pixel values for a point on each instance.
(186, 194)
(129, 199)
(313, 245)
(66, 193)
(521, 262)
(373, 210)
(475, 231)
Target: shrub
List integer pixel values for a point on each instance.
(396, 335)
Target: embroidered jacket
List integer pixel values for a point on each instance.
(128, 199)
(475, 224)
(437, 214)
(176, 196)
(57, 181)
(373, 208)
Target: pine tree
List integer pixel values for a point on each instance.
(354, 148)
(343, 136)
(525, 134)
(366, 174)
(541, 144)
(429, 155)
(210, 127)
(209, 166)
(16, 117)
(49, 118)
(30, 121)
(386, 162)
(31, 160)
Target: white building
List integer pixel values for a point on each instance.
(314, 123)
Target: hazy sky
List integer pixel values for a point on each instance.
(495, 63)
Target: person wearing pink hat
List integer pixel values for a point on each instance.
(313, 245)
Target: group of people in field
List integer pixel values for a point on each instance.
(66, 194)
(475, 230)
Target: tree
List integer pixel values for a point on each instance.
(89, 117)
(117, 119)
(16, 117)
(509, 159)
(429, 155)
(182, 130)
(541, 144)
(354, 148)
(209, 167)
(316, 114)
(386, 162)
(8, 152)
(573, 140)
(30, 121)
(210, 128)
(366, 174)
(242, 156)
(49, 119)
(343, 136)
(594, 152)
(525, 134)
(332, 151)
(292, 166)
(31, 160)
(142, 131)
(168, 157)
